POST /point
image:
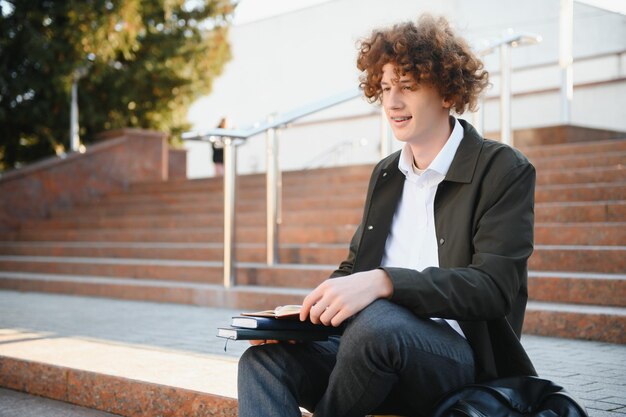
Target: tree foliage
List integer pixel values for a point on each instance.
(143, 62)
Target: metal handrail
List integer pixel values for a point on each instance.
(233, 138)
(513, 39)
(277, 121)
(508, 40)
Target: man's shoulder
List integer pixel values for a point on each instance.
(502, 154)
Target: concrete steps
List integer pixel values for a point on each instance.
(245, 234)
(320, 196)
(579, 161)
(578, 287)
(163, 241)
(592, 233)
(585, 211)
(568, 212)
(569, 320)
(586, 322)
(581, 176)
(203, 294)
(581, 148)
(208, 272)
(605, 259)
(581, 192)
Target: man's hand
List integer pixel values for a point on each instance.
(337, 299)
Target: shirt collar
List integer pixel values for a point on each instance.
(443, 160)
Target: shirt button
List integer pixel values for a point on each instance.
(370, 227)
(442, 241)
(384, 174)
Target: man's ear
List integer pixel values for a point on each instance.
(446, 103)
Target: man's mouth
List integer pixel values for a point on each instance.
(401, 119)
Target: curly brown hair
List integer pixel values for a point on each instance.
(432, 53)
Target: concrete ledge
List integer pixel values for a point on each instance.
(133, 381)
(129, 381)
(122, 396)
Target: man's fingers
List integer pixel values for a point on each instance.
(309, 301)
(327, 315)
(319, 309)
(339, 318)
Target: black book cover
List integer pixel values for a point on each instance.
(238, 333)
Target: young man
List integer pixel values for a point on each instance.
(435, 281)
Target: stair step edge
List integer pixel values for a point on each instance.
(575, 308)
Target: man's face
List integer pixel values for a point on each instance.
(415, 111)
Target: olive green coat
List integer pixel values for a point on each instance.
(484, 216)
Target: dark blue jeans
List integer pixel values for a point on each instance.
(388, 361)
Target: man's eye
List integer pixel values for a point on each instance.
(386, 89)
(408, 88)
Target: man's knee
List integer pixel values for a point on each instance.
(382, 318)
(268, 359)
(374, 331)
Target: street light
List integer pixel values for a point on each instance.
(75, 144)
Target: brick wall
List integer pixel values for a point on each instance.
(119, 158)
(177, 166)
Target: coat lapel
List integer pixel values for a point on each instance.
(466, 157)
(386, 194)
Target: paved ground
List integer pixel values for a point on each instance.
(18, 404)
(594, 372)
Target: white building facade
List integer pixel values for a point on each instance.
(284, 62)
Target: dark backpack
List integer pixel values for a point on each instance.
(510, 397)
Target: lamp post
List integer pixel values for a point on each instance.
(74, 135)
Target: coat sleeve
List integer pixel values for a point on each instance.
(502, 242)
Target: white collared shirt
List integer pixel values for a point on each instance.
(412, 239)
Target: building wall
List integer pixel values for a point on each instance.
(287, 61)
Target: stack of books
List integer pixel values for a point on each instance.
(282, 323)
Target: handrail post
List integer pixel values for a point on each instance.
(272, 194)
(230, 184)
(385, 135)
(505, 94)
(478, 117)
(566, 28)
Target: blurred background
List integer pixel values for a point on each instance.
(179, 65)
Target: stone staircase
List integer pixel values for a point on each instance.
(162, 241)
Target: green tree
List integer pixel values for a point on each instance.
(144, 63)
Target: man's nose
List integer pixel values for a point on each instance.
(393, 100)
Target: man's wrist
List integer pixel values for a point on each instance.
(386, 286)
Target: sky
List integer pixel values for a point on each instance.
(251, 10)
